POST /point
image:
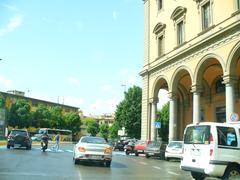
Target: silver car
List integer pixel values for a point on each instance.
(92, 149)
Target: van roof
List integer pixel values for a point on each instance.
(216, 124)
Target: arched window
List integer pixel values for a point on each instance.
(159, 31)
(178, 16)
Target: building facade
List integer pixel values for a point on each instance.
(192, 50)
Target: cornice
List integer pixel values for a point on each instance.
(197, 49)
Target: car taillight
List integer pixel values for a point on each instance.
(108, 150)
(211, 152)
(81, 149)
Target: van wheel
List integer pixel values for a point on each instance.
(197, 176)
(231, 172)
(136, 153)
(147, 156)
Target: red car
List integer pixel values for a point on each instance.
(140, 147)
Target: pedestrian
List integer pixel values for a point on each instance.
(57, 141)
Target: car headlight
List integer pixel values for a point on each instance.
(81, 149)
(108, 150)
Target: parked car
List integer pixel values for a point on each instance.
(92, 149)
(140, 146)
(156, 149)
(174, 150)
(19, 138)
(36, 137)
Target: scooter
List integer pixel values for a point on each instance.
(44, 145)
(129, 148)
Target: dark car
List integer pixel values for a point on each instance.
(156, 149)
(19, 138)
(119, 145)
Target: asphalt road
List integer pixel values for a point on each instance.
(21, 164)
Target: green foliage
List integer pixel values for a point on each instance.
(56, 117)
(104, 131)
(41, 117)
(128, 112)
(2, 101)
(113, 130)
(163, 117)
(20, 114)
(92, 127)
(73, 122)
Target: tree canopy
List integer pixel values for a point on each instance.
(128, 112)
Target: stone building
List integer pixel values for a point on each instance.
(192, 50)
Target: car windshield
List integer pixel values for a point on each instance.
(93, 140)
(197, 134)
(154, 144)
(15, 132)
(175, 145)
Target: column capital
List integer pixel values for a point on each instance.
(228, 79)
(196, 88)
(153, 100)
(172, 95)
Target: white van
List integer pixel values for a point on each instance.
(212, 149)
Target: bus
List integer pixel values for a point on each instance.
(65, 135)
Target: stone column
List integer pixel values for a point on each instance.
(172, 116)
(196, 90)
(229, 82)
(153, 102)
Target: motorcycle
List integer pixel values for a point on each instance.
(44, 145)
(129, 148)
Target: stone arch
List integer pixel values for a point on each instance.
(232, 60)
(176, 76)
(159, 27)
(161, 82)
(197, 77)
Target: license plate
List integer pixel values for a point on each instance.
(17, 145)
(95, 157)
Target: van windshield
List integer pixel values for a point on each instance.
(197, 135)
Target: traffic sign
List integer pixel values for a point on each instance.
(234, 117)
(157, 125)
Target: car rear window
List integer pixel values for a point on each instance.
(15, 132)
(197, 134)
(175, 145)
(94, 140)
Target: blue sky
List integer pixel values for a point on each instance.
(74, 52)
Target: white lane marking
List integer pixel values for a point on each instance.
(156, 167)
(170, 172)
(143, 163)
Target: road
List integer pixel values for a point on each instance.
(21, 164)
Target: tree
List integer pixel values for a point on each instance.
(20, 114)
(41, 117)
(163, 117)
(92, 127)
(128, 112)
(113, 130)
(73, 122)
(57, 117)
(104, 130)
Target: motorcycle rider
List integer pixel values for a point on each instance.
(44, 139)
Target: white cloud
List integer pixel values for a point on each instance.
(11, 7)
(72, 101)
(5, 83)
(14, 23)
(114, 14)
(106, 88)
(103, 106)
(74, 81)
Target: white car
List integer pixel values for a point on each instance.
(174, 150)
(92, 149)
